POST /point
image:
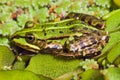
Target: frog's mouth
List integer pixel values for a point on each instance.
(23, 44)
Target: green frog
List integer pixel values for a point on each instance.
(70, 37)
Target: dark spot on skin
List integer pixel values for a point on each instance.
(98, 33)
(99, 25)
(53, 30)
(91, 50)
(71, 15)
(71, 28)
(90, 21)
(82, 45)
(95, 54)
(45, 33)
(56, 25)
(93, 41)
(92, 38)
(76, 15)
(91, 29)
(83, 17)
(60, 31)
(48, 6)
(95, 31)
(68, 23)
(85, 28)
(99, 52)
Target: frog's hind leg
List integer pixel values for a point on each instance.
(78, 55)
(70, 55)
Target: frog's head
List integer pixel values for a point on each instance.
(26, 39)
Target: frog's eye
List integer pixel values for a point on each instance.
(30, 38)
(29, 24)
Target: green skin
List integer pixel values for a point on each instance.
(39, 32)
(53, 36)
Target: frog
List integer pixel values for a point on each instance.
(70, 37)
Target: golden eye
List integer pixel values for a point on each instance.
(30, 38)
(29, 24)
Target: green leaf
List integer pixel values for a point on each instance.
(23, 18)
(24, 3)
(41, 2)
(8, 28)
(103, 3)
(71, 75)
(4, 16)
(114, 53)
(19, 65)
(111, 74)
(18, 75)
(92, 75)
(92, 7)
(40, 14)
(113, 20)
(117, 61)
(4, 41)
(117, 2)
(6, 58)
(50, 66)
(78, 6)
(63, 6)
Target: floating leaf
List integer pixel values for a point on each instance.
(9, 28)
(78, 6)
(50, 66)
(63, 6)
(40, 14)
(19, 65)
(113, 20)
(114, 52)
(6, 58)
(92, 74)
(70, 75)
(104, 3)
(18, 75)
(24, 3)
(41, 2)
(111, 74)
(117, 61)
(117, 2)
(4, 41)
(22, 19)
(4, 16)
